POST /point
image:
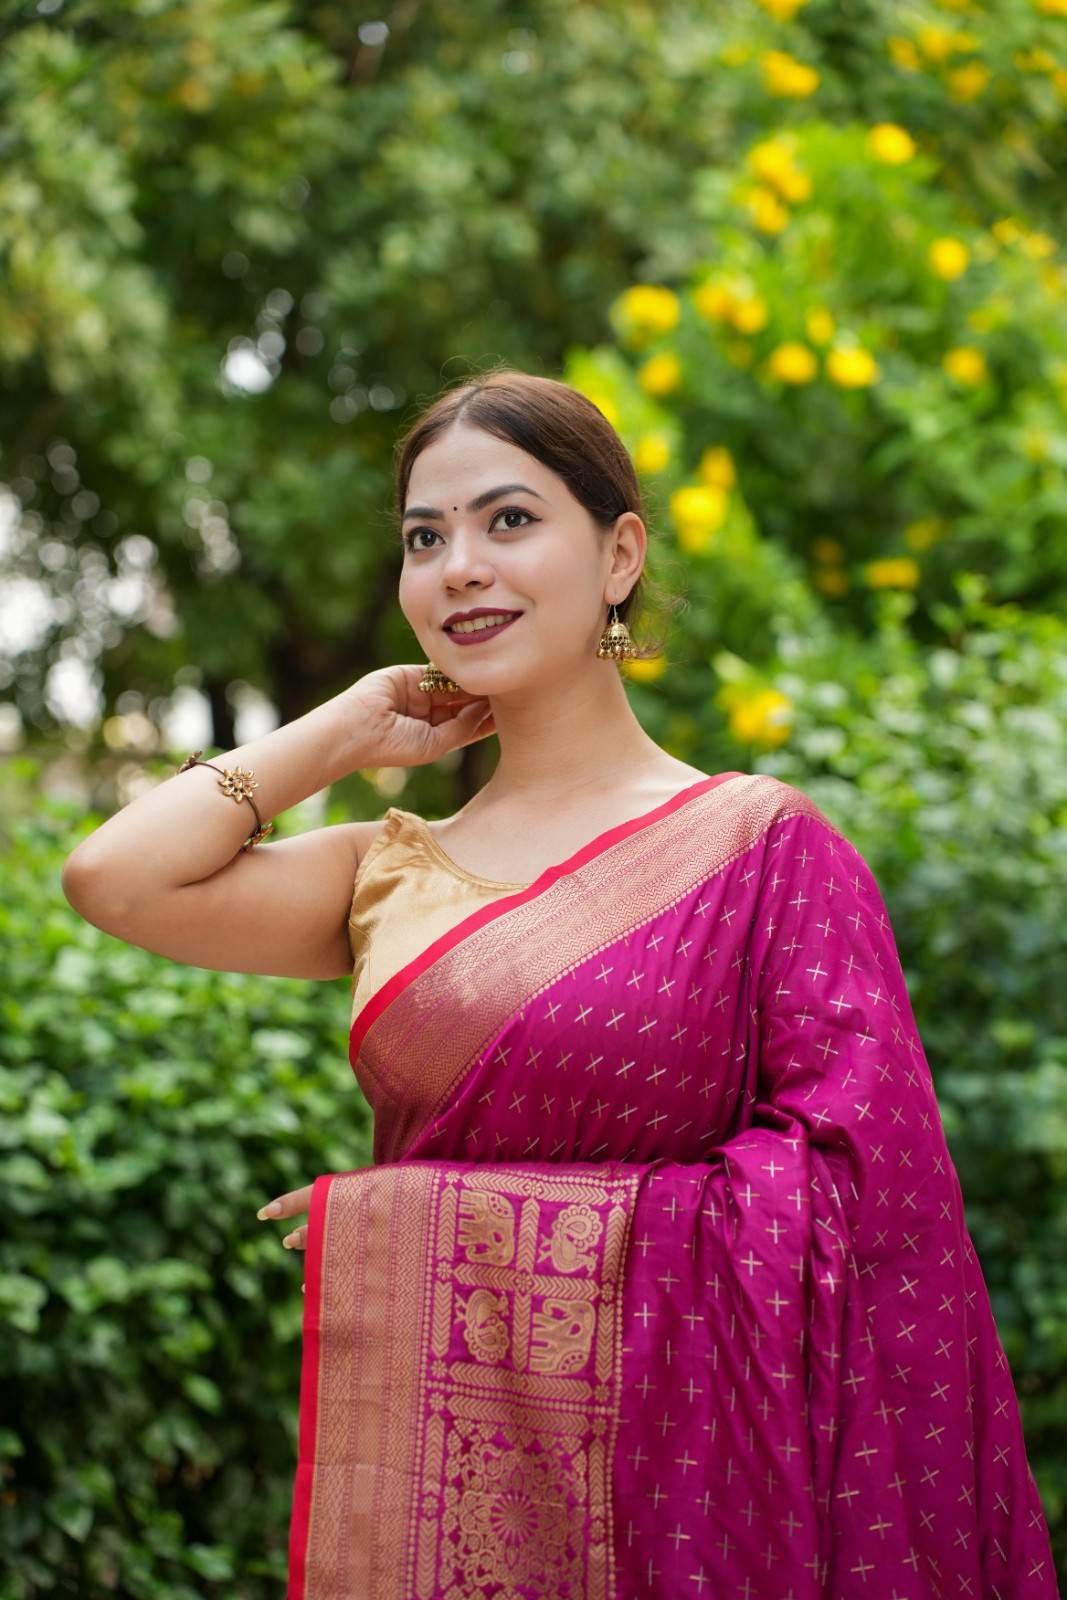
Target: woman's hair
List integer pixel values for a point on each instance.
(565, 432)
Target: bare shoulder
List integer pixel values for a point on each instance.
(356, 838)
(281, 909)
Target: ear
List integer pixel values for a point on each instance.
(629, 548)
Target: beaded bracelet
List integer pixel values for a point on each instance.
(238, 785)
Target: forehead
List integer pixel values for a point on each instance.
(464, 460)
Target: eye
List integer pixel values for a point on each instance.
(506, 511)
(412, 534)
(514, 511)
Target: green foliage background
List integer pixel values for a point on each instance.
(874, 579)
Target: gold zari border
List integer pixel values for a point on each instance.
(470, 1361)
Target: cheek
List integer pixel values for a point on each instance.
(547, 571)
(412, 596)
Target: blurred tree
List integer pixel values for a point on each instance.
(242, 240)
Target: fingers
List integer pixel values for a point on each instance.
(293, 1204)
(473, 722)
(287, 1205)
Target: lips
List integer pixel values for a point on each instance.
(483, 633)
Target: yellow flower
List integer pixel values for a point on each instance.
(660, 374)
(904, 53)
(1039, 245)
(693, 539)
(795, 185)
(967, 83)
(1052, 281)
(734, 300)
(699, 511)
(889, 142)
(949, 257)
(702, 504)
(1052, 8)
(966, 364)
(936, 44)
(893, 572)
(784, 75)
(767, 211)
(827, 550)
(831, 581)
(1034, 61)
(650, 308)
(605, 405)
(714, 299)
(1058, 79)
(1007, 230)
(749, 314)
(773, 161)
(793, 362)
(652, 452)
(820, 325)
(770, 157)
(851, 367)
(763, 718)
(783, 10)
(716, 467)
(644, 670)
(921, 534)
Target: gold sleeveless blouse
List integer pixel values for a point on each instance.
(407, 893)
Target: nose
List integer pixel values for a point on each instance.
(465, 559)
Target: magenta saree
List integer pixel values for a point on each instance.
(660, 1285)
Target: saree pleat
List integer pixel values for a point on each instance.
(661, 1284)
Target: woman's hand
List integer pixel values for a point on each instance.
(293, 1204)
(400, 726)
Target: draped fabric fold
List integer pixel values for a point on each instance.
(661, 1284)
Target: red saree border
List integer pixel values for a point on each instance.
(383, 997)
(311, 1356)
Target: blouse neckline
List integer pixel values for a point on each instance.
(446, 860)
(632, 825)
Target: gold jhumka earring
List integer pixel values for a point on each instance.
(616, 644)
(434, 681)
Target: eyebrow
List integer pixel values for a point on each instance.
(477, 503)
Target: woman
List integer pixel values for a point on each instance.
(660, 1284)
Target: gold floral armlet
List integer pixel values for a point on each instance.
(238, 784)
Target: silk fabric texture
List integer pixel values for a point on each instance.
(660, 1283)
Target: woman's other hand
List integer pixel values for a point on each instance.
(293, 1204)
(397, 725)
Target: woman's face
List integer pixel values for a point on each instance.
(532, 549)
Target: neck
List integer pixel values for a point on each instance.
(568, 736)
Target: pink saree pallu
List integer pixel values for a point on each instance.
(660, 1284)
